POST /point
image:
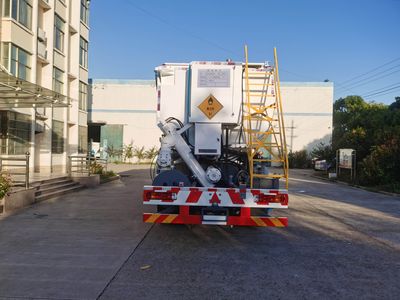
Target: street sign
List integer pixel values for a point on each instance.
(210, 106)
(346, 158)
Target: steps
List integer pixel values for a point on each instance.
(51, 188)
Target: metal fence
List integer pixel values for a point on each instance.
(79, 164)
(17, 167)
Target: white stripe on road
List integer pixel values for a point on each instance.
(310, 181)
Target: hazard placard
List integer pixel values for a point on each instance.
(210, 106)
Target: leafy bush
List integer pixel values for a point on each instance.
(299, 159)
(139, 153)
(323, 151)
(5, 184)
(151, 153)
(382, 166)
(128, 151)
(107, 174)
(96, 168)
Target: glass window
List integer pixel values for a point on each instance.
(59, 33)
(57, 137)
(16, 60)
(85, 11)
(25, 13)
(15, 133)
(83, 53)
(82, 96)
(83, 139)
(19, 10)
(58, 83)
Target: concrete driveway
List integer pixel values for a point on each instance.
(341, 242)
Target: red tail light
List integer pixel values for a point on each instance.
(167, 196)
(278, 198)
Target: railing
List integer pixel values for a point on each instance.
(16, 166)
(79, 164)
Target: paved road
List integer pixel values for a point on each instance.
(341, 242)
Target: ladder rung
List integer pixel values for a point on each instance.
(262, 84)
(268, 175)
(256, 90)
(260, 104)
(268, 160)
(257, 118)
(261, 94)
(267, 144)
(261, 73)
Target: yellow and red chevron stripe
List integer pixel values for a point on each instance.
(267, 221)
(231, 220)
(160, 218)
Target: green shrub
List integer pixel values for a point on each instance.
(5, 184)
(382, 165)
(299, 160)
(96, 168)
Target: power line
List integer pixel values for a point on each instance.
(372, 70)
(369, 77)
(380, 77)
(162, 20)
(377, 93)
(377, 90)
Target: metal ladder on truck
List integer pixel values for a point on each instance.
(263, 123)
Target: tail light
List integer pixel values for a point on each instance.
(165, 196)
(277, 198)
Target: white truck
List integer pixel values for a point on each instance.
(217, 163)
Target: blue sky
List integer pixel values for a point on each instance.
(316, 39)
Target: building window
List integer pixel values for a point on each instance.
(83, 95)
(57, 137)
(58, 83)
(83, 139)
(17, 61)
(19, 10)
(83, 53)
(59, 25)
(15, 133)
(85, 11)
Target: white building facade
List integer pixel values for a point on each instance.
(44, 80)
(125, 111)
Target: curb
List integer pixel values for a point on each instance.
(357, 186)
(110, 179)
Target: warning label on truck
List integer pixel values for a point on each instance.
(210, 106)
(213, 78)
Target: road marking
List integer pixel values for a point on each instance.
(310, 181)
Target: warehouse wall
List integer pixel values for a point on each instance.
(308, 108)
(132, 103)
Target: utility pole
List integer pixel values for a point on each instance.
(292, 127)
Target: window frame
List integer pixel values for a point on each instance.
(57, 139)
(13, 63)
(83, 95)
(58, 80)
(83, 52)
(13, 9)
(84, 12)
(82, 139)
(59, 33)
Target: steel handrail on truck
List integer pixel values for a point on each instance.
(80, 164)
(16, 163)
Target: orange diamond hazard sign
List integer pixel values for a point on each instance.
(210, 106)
